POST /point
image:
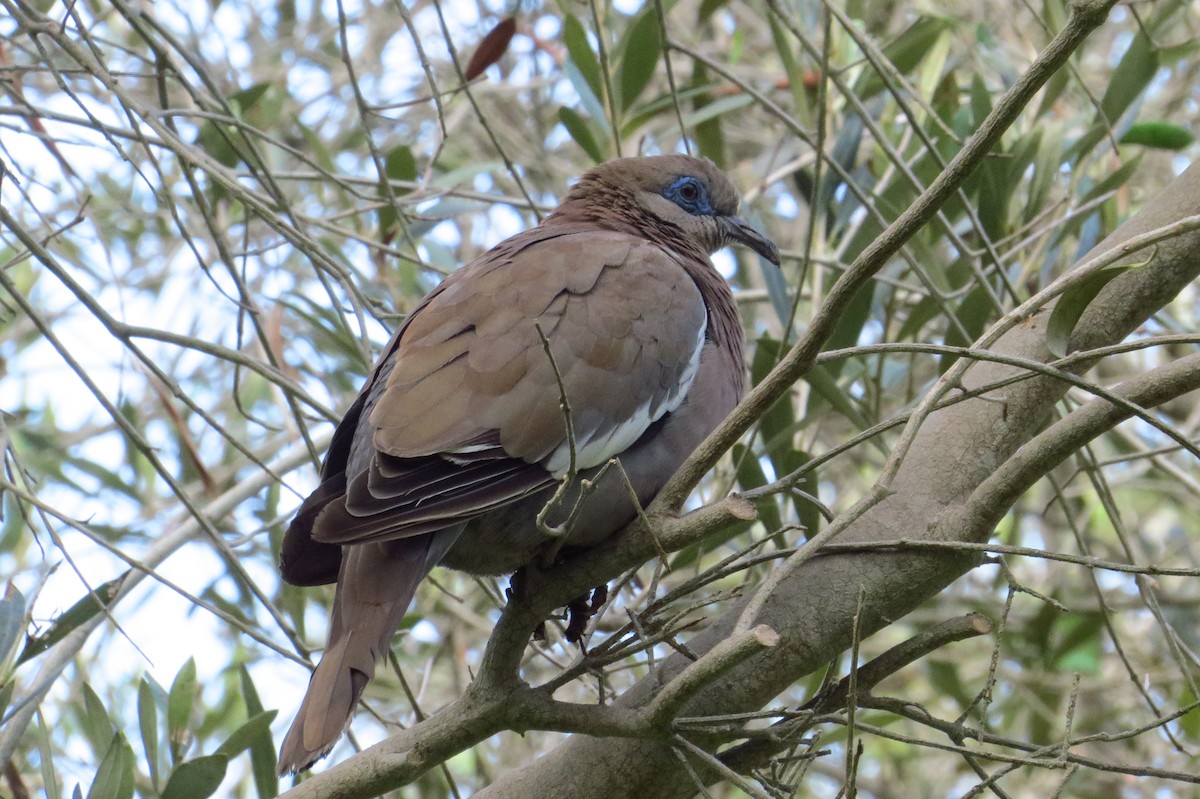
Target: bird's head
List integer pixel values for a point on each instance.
(688, 193)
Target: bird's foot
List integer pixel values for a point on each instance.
(581, 610)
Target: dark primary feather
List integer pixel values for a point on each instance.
(458, 438)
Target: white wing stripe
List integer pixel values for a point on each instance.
(596, 447)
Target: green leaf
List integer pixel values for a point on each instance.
(262, 750)
(114, 777)
(577, 125)
(148, 726)
(850, 325)
(1111, 182)
(717, 108)
(257, 728)
(196, 779)
(401, 165)
(750, 475)
(12, 625)
(944, 676)
(665, 103)
(98, 727)
(905, 52)
(1073, 303)
(579, 50)
(1159, 136)
(588, 100)
(1078, 647)
(927, 309)
(317, 148)
(249, 693)
(973, 314)
(50, 780)
(218, 141)
(180, 701)
(1131, 77)
(826, 387)
(640, 53)
(398, 165)
(1046, 164)
(708, 8)
(1137, 68)
(247, 99)
(66, 622)
(795, 74)
(6, 695)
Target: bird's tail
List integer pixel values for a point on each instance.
(375, 585)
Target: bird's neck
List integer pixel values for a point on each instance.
(612, 211)
(616, 212)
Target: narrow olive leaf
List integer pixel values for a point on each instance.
(795, 73)
(262, 749)
(1159, 136)
(698, 94)
(904, 52)
(778, 291)
(845, 154)
(196, 779)
(79, 613)
(708, 8)
(580, 52)
(750, 474)
(1077, 642)
(6, 695)
(97, 725)
(1073, 303)
(824, 384)
(1045, 172)
(1139, 64)
(50, 781)
(1111, 182)
(180, 700)
(247, 99)
(148, 726)
(709, 135)
(640, 54)
(493, 45)
(244, 736)
(717, 108)
(577, 125)
(398, 165)
(114, 777)
(249, 692)
(12, 624)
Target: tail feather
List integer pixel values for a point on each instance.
(376, 583)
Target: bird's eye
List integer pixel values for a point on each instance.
(690, 194)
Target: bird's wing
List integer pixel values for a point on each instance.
(464, 413)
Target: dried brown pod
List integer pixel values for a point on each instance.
(491, 48)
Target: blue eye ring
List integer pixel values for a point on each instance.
(690, 194)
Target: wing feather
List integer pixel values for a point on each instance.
(464, 414)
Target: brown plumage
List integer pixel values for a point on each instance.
(458, 439)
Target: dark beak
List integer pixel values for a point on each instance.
(739, 230)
